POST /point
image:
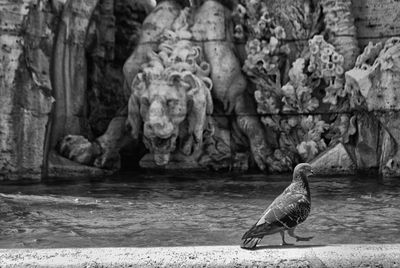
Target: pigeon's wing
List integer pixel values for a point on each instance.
(287, 211)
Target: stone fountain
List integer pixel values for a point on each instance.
(88, 87)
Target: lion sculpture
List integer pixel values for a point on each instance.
(172, 91)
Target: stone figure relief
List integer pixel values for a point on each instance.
(213, 28)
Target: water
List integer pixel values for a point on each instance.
(197, 209)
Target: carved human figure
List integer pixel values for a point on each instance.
(213, 28)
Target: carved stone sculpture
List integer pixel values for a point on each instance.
(315, 82)
(213, 27)
(200, 83)
(171, 77)
(218, 85)
(172, 90)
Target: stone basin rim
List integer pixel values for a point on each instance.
(337, 255)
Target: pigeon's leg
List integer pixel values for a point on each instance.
(283, 239)
(298, 238)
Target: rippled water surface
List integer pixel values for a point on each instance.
(189, 209)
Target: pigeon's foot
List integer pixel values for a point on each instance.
(283, 239)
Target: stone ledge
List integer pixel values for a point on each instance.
(380, 255)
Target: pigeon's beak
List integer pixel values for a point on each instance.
(311, 172)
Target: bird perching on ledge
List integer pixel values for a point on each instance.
(287, 211)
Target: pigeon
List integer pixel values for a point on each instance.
(287, 211)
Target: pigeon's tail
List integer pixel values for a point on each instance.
(250, 243)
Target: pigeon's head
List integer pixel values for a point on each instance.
(303, 169)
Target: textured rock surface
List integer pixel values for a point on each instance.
(222, 256)
(25, 91)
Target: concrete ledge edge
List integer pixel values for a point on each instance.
(371, 255)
